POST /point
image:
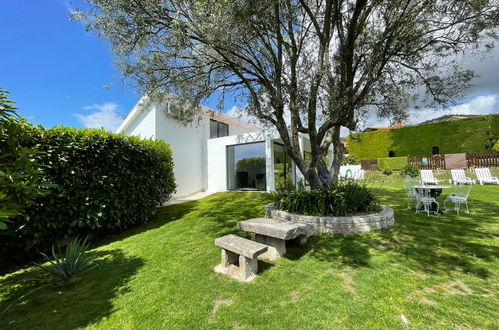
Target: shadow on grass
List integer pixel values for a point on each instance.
(80, 304)
(433, 244)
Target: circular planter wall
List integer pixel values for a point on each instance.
(337, 225)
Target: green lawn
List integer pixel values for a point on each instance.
(437, 271)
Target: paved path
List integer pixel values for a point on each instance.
(189, 198)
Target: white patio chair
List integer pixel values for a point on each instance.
(427, 177)
(458, 197)
(359, 175)
(483, 176)
(424, 199)
(411, 192)
(459, 177)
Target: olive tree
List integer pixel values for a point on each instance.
(304, 66)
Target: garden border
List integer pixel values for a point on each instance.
(337, 225)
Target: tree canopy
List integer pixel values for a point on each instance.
(304, 66)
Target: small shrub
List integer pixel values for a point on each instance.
(341, 200)
(410, 171)
(387, 171)
(349, 160)
(65, 267)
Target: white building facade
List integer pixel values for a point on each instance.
(217, 152)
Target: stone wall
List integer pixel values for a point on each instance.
(337, 225)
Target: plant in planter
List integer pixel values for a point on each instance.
(410, 171)
(344, 199)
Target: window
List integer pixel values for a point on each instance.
(435, 151)
(218, 129)
(391, 153)
(246, 167)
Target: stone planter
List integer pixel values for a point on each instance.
(337, 225)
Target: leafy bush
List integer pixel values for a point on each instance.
(350, 160)
(104, 183)
(387, 171)
(392, 163)
(344, 199)
(410, 171)
(20, 174)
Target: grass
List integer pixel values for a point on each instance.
(425, 272)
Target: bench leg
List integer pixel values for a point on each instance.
(276, 247)
(248, 268)
(228, 258)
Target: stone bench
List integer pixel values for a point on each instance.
(239, 257)
(274, 234)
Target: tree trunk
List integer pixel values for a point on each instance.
(338, 150)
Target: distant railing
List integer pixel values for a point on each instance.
(483, 159)
(437, 162)
(434, 162)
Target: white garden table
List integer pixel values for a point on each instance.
(435, 190)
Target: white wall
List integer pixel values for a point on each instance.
(144, 125)
(217, 157)
(189, 152)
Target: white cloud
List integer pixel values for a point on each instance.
(480, 105)
(103, 115)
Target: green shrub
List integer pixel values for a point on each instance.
(410, 171)
(392, 163)
(344, 199)
(20, 175)
(105, 183)
(387, 171)
(349, 160)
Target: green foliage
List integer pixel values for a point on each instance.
(410, 171)
(105, 183)
(63, 268)
(387, 171)
(465, 135)
(20, 174)
(496, 146)
(350, 160)
(344, 199)
(250, 164)
(392, 163)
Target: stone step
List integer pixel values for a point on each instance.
(241, 246)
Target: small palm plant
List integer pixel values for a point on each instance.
(62, 268)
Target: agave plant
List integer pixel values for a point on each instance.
(63, 268)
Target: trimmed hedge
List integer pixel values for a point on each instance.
(104, 183)
(466, 135)
(392, 163)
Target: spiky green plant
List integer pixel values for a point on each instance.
(63, 268)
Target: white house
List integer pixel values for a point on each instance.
(218, 152)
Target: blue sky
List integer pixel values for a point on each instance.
(56, 71)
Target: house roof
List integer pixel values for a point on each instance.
(134, 114)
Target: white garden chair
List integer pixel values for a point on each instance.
(459, 197)
(427, 177)
(425, 200)
(483, 176)
(459, 177)
(411, 192)
(359, 175)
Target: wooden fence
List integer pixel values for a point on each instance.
(437, 162)
(484, 159)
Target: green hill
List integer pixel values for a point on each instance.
(469, 135)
